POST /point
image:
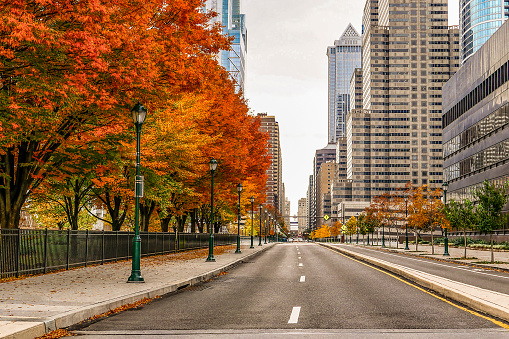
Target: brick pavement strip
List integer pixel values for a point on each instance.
(36, 305)
(490, 302)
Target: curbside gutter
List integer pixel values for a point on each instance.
(36, 327)
(490, 302)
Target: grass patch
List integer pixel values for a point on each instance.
(489, 262)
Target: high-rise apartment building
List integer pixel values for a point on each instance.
(343, 58)
(287, 212)
(323, 155)
(476, 118)
(234, 25)
(323, 192)
(479, 19)
(302, 215)
(274, 187)
(409, 52)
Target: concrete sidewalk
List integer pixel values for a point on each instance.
(476, 257)
(36, 305)
(484, 300)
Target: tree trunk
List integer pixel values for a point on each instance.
(22, 173)
(75, 203)
(432, 243)
(416, 240)
(397, 237)
(117, 209)
(181, 222)
(194, 212)
(146, 210)
(165, 222)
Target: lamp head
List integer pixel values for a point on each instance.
(213, 164)
(239, 188)
(139, 113)
(252, 199)
(445, 186)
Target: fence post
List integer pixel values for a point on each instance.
(86, 248)
(45, 249)
(116, 246)
(128, 242)
(18, 252)
(68, 247)
(102, 249)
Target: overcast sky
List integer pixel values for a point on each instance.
(286, 73)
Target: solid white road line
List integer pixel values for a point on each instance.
(294, 317)
(303, 278)
(457, 268)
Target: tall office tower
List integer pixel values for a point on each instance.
(409, 52)
(478, 21)
(234, 25)
(301, 215)
(476, 118)
(274, 187)
(343, 57)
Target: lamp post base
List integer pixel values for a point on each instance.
(238, 245)
(211, 249)
(136, 277)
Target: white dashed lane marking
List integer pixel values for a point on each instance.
(302, 279)
(294, 317)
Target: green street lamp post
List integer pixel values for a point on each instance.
(446, 240)
(252, 221)
(406, 225)
(239, 190)
(213, 167)
(260, 230)
(357, 226)
(139, 113)
(383, 235)
(265, 231)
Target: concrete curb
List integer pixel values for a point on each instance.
(37, 327)
(486, 301)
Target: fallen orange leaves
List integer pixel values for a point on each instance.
(57, 334)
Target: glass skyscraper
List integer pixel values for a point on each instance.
(234, 25)
(343, 57)
(479, 19)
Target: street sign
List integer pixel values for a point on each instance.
(326, 217)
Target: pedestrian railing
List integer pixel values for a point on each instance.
(29, 251)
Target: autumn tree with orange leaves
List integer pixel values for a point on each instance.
(426, 211)
(70, 73)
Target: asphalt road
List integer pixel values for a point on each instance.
(299, 290)
(484, 278)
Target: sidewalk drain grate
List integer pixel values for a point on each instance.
(196, 288)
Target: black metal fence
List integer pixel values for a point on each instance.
(24, 251)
